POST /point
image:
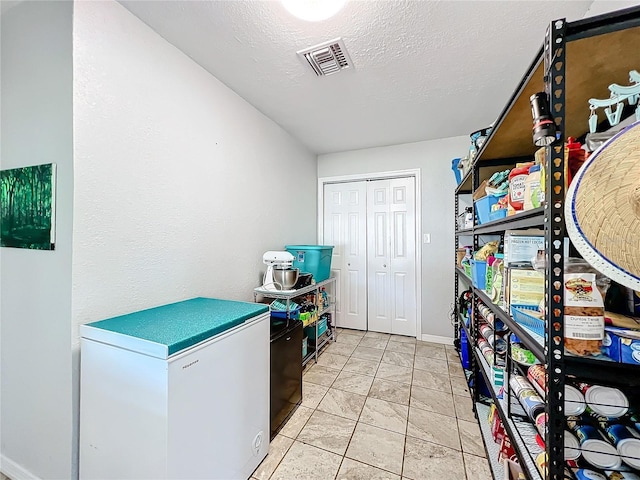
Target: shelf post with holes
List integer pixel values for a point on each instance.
(554, 67)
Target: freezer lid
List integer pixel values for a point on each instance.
(164, 331)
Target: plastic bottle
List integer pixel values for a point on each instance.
(517, 179)
(532, 189)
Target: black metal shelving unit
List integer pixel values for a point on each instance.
(563, 69)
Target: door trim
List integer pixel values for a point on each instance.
(415, 173)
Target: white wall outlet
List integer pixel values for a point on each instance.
(427, 238)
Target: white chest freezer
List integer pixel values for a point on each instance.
(176, 392)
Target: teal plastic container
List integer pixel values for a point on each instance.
(313, 259)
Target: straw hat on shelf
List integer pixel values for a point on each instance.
(602, 208)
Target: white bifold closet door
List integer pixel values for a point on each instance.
(372, 226)
(391, 256)
(345, 220)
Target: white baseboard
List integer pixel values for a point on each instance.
(14, 470)
(437, 339)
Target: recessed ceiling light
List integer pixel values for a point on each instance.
(313, 10)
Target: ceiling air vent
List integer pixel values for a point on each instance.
(327, 58)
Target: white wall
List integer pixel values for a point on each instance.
(36, 407)
(434, 159)
(599, 7)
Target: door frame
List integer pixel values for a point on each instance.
(363, 177)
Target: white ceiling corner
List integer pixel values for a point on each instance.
(423, 69)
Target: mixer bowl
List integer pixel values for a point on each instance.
(286, 277)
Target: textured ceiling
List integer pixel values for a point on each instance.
(423, 69)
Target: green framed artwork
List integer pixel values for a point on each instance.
(27, 207)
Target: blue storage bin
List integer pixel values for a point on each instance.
(310, 331)
(295, 314)
(479, 274)
(464, 349)
(498, 214)
(518, 312)
(313, 259)
(483, 208)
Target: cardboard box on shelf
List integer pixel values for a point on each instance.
(526, 287)
(622, 345)
(480, 191)
(520, 246)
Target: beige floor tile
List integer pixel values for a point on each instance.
(342, 404)
(377, 447)
(328, 432)
(435, 381)
(477, 468)
(390, 391)
(431, 364)
(395, 373)
(360, 366)
(366, 353)
(321, 375)
(397, 358)
(277, 450)
(296, 422)
(464, 407)
(401, 347)
(341, 348)
(432, 400)
(470, 437)
(353, 382)
(377, 335)
(455, 369)
(430, 350)
(459, 386)
(452, 356)
(312, 394)
(348, 338)
(428, 461)
(332, 360)
(449, 346)
(433, 427)
(355, 333)
(352, 470)
(402, 339)
(373, 342)
(306, 462)
(383, 414)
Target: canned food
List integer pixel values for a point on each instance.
(499, 326)
(500, 345)
(600, 420)
(586, 474)
(621, 475)
(627, 442)
(541, 463)
(571, 446)
(487, 332)
(532, 404)
(574, 402)
(537, 376)
(595, 449)
(635, 419)
(519, 383)
(541, 423)
(606, 401)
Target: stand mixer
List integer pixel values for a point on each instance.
(279, 277)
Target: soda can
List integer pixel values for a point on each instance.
(606, 401)
(595, 448)
(487, 332)
(627, 442)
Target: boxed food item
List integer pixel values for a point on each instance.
(526, 287)
(622, 345)
(513, 470)
(520, 246)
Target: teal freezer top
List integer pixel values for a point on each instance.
(177, 326)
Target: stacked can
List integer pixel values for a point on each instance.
(531, 402)
(621, 475)
(627, 443)
(596, 450)
(606, 401)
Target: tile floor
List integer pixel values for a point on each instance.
(380, 407)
